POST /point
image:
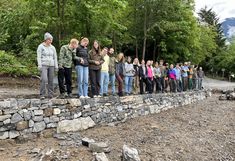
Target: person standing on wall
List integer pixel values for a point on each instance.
(149, 80)
(136, 65)
(201, 76)
(142, 76)
(104, 81)
(112, 70)
(129, 75)
(65, 67)
(95, 60)
(47, 64)
(157, 77)
(119, 73)
(81, 66)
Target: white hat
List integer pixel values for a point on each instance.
(48, 36)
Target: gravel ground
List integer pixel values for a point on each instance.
(202, 131)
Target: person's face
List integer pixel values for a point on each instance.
(74, 45)
(172, 66)
(84, 43)
(105, 51)
(143, 62)
(48, 41)
(161, 62)
(96, 45)
(111, 50)
(148, 63)
(129, 59)
(156, 65)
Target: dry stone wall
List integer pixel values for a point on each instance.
(27, 116)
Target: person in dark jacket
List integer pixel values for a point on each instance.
(95, 60)
(65, 68)
(119, 73)
(81, 66)
(142, 76)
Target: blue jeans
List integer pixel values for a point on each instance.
(112, 81)
(82, 80)
(104, 82)
(128, 84)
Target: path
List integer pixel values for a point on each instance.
(218, 84)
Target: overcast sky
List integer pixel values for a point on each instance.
(223, 8)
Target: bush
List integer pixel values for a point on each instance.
(10, 65)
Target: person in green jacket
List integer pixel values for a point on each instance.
(65, 68)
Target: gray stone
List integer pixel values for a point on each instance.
(87, 141)
(14, 103)
(5, 104)
(10, 111)
(38, 112)
(4, 117)
(99, 147)
(75, 125)
(13, 134)
(56, 111)
(16, 118)
(39, 126)
(3, 128)
(52, 125)
(59, 101)
(101, 157)
(130, 154)
(4, 135)
(35, 151)
(46, 120)
(22, 125)
(35, 102)
(77, 115)
(27, 115)
(54, 119)
(38, 118)
(7, 121)
(31, 123)
(74, 102)
(33, 108)
(24, 103)
(0, 112)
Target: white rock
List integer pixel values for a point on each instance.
(130, 154)
(101, 157)
(56, 111)
(75, 125)
(74, 102)
(4, 135)
(38, 112)
(13, 134)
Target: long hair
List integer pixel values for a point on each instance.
(120, 57)
(94, 49)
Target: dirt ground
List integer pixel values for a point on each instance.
(202, 131)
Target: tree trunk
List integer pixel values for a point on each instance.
(114, 43)
(154, 50)
(59, 23)
(145, 32)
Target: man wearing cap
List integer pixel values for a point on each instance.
(47, 64)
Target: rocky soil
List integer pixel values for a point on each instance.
(202, 131)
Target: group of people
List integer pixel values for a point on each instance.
(101, 67)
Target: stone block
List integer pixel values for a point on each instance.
(74, 102)
(38, 112)
(13, 134)
(59, 101)
(31, 123)
(101, 157)
(38, 118)
(16, 118)
(24, 103)
(4, 135)
(39, 126)
(4, 117)
(99, 147)
(7, 121)
(27, 115)
(56, 111)
(48, 112)
(75, 125)
(22, 125)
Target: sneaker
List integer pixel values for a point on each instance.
(42, 97)
(87, 97)
(95, 96)
(81, 97)
(99, 96)
(70, 95)
(62, 96)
